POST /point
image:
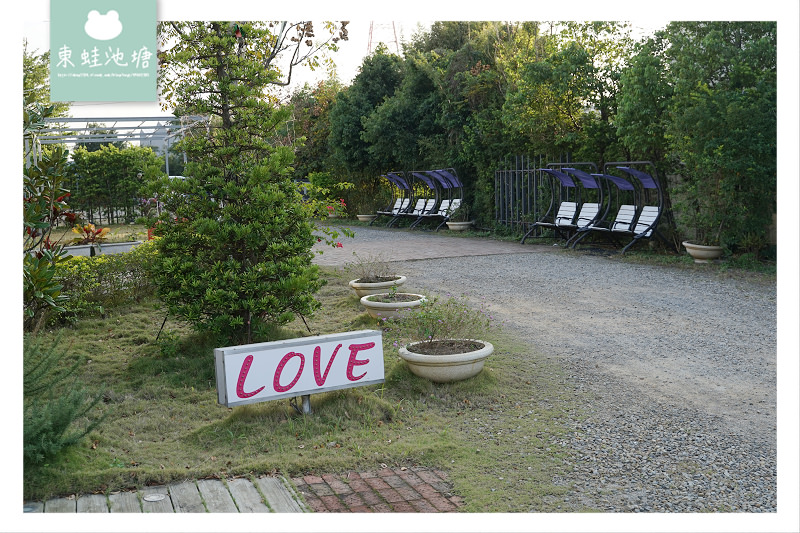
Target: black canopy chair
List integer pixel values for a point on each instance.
(624, 211)
(449, 197)
(450, 183)
(651, 209)
(570, 194)
(423, 203)
(401, 196)
(566, 209)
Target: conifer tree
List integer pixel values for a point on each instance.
(235, 252)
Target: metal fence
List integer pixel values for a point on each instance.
(519, 192)
(121, 212)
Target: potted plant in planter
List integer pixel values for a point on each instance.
(702, 211)
(442, 341)
(459, 219)
(367, 218)
(90, 236)
(368, 207)
(373, 275)
(385, 305)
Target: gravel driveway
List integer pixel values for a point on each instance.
(675, 369)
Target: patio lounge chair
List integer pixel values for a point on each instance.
(447, 189)
(625, 214)
(646, 224)
(443, 211)
(399, 205)
(571, 215)
(638, 220)
(401, 194)
(422, 206)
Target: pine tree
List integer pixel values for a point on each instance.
(236, 248)
(56, 406)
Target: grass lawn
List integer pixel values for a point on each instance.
(496, 434)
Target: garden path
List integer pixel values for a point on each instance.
(401, 245)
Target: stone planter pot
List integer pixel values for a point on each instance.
(365, 289)
(366, 218)
(101, 249)
(446, 368)
(459, 226)
(703, 254)
(389, 309)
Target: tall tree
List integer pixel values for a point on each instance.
(236, 249)
(378, 78)
(403, 131)
(565, 100)
(723, 127)
(311, 120)
(36, 81)
(643, 101)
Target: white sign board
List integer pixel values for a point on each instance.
(254, 373)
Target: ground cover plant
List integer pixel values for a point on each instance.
(162, 422)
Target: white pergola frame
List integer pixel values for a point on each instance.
(60, 130)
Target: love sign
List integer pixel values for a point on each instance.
(254, 373)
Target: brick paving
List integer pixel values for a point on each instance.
(398, 490)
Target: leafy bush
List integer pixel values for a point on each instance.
(54, 406)
(232, 267)
(43, 201)
(109, 179)
(94, 283)
(437, 320)
(722, 126)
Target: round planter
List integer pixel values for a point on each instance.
(446, 368)
(703, 254)
(365, 289)
(389, 309)
(459, 226)
(366, 218)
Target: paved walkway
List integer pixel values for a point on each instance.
(239, 495)
(403, 490)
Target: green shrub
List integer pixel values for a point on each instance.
(94, 283)
(56, 407)
(235, 267)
